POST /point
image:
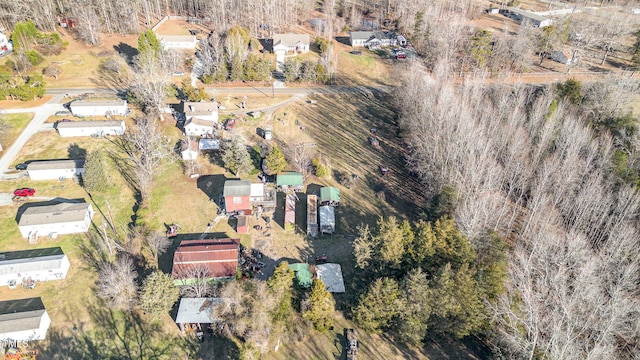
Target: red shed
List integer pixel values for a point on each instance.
(237, 194)
(243, 225)
(211, 258)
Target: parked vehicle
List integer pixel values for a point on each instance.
(230, 124)
(24, 192)
(22, 166)
(63, 113)
(401, 55)
(352, 344)
(267, 133)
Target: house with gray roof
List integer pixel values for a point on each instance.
(196, 311)
(52, 220)
(178, 41)
(99, 107)
(237, 195)
(55, 169)
(372, 39)
(33, 265)
(94, 128)
(23, 320)
(203, 110)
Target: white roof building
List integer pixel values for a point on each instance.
(178, 41)
(331, 275)
(290, 43)
(55, 169)
(51, 220)
(37, 264)
(99, 107)
(197, 127)
(196, 311)
(97, 128)
(327, 219)
(23, 320)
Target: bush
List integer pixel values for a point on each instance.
(321, 170)
(34, 57)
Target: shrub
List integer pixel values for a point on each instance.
(34, 57)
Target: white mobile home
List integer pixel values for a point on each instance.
(55, 169)
(63, 218)
(96, 128)
(327, 219)
(23, 320)
(99, 107)
(38, 265)
(178, 41)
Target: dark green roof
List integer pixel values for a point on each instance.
(329, 194)
(303, 276)
(290, 179)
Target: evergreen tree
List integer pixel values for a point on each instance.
(236, 158)
(480, 47)
(412, 322)
(391, 239)
(275, 161)
(149, 42)
(320, 307)
(363, 247)
(281, 286)
(379, 305)
(158, 294)
(96, 178)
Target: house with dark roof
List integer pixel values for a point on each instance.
(237, 196)
(94, 128)
(33, 265)
(290, 44)
(23, 320)
(211, 259)
(58, 219)
(55, 169)
(99, 107)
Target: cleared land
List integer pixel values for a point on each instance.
(15, 125)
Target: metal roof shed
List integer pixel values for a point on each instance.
(329, 196)
(290, 179)
(303, 276)
(327, 219)
(196, 311)
(331, 275)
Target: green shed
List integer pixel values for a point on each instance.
(303, 275)
(293, 179)
(329, 196)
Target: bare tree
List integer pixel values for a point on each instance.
(116, 283)
(89, 28)
(151, 82)
(196, 281)
(145, 149)
(52, 70)
(158, 244)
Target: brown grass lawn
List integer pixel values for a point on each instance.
(17, 104)
(16, 124)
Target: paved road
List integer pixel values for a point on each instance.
(41, 114)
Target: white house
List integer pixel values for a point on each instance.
(372, 39)
(563, 57)
(23, 320)
(5, 44)
(99, 107)
(178, 41)
(290, 44)
(55, 169)
(198, 127)
(203, 110)
(37, 264)
(98, 128)
(63, 218)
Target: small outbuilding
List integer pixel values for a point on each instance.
(290, 180)
(23, 320)
(208, 144)
(329, 196)
(94, 128)
(55, 169)
(303, 275)
(563, 57)
(327, 219)
(58, 219)
(312, 215)
(237, 195)
(242, 226)
(190, 150)
(99, 107)
(196, 312)
(34, 265)
(331, 275)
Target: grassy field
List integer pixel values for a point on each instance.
(15, 125)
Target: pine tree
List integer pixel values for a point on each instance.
(379, 305)
(391, 238)
(236, 158)
(412, 323)
(149, 42)
(158, 294)
(275, 161)
(96, 177)
(321, 306)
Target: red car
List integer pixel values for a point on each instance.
(24, 192)
(230, 124)
(401, 56)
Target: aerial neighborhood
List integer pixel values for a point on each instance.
(319, 180)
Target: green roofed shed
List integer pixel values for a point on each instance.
(290, 179)
(329, 196)
(303, 276)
